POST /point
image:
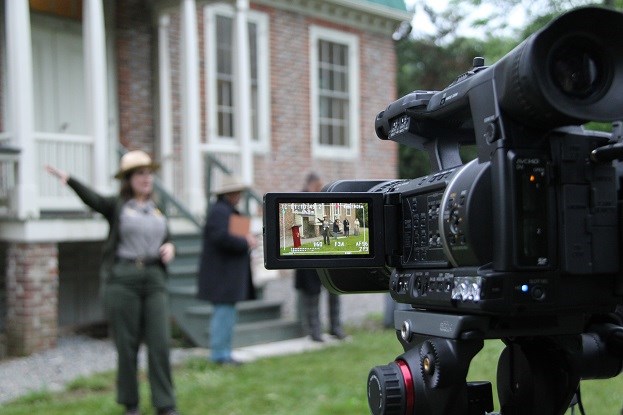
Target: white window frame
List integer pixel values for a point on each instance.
(3, 78)
(352, 150)
(213, 141)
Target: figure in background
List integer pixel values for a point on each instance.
(346, 227)
(225, 267)
(336, 227)
(307, 282)
(134, 274)
(356, 227)
(325, 230)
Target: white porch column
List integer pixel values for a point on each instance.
(166, 124)
(96, 89)
(195, 196)
(20, 105)
(243, 91)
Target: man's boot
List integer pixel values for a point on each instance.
(313, 319)
(334, 317)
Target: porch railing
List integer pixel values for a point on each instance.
(74, 153)
(9, 159)
(173, 207)
(71, 152)
(213, 166)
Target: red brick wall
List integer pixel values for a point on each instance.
(32, 297)
(289, 161)
(2, 73)
(135, 65)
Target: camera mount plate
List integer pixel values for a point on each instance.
(461, 326)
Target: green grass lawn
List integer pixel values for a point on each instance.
(327, 382)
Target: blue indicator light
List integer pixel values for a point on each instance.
(524, 288)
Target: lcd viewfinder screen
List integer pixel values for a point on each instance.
(324, 229)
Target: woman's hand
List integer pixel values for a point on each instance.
(167, 252)
(60, 174)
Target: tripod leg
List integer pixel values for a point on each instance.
(535, 378)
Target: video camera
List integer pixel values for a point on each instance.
(522, 244)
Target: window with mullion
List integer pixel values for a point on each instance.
(225, 77)
(334, 93)
(221, 76)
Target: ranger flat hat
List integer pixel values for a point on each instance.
(134, 160)
(230, 184)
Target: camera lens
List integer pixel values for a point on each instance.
(577, 69)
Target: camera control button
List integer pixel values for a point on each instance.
(390, 389)
(538, 293)
(491, 132)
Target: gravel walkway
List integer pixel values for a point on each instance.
(74, 357)
(78, 355)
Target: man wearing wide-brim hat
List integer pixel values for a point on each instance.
(231, 184)
(225, 267)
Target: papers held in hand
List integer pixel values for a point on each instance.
(239, 225)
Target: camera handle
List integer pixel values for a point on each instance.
(538, 373)
(443, 154)
(611, 152)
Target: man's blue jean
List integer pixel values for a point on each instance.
(221, 331)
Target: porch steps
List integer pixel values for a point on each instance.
(259, 321)
(183, 270)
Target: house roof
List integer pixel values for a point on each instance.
(395, 10)
(394, 4)
(380, 16)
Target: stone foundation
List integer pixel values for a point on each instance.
(31, 297)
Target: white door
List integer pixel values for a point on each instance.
(61, 127)
(58, 71)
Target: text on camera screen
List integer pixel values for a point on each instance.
(324, 228)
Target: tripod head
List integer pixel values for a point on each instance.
(538, 372)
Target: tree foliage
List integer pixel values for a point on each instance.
(431, 62)
(492, 17)
(426, 65)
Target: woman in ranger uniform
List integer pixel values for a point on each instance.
(134, 275)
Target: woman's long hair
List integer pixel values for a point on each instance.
(125, 190)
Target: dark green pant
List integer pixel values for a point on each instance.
(137, 308)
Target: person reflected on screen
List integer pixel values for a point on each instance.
(325, 230)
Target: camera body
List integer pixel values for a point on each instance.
(532, 226)
(521, 244)
(532, 231)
